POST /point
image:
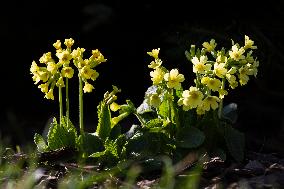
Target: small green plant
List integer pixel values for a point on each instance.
(173, 121)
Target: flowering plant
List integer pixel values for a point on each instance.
(173, 120)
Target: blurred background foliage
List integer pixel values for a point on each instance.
(124, 32)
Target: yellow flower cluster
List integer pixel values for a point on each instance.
(52, 73)
(162, 77)
(226, 69)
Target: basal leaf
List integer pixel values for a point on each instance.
(40, 143)
(104, 123)
(189, 137)
(89, 143)
(235, 141)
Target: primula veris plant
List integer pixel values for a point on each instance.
(175, 118)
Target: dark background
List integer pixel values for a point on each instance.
(124, 32)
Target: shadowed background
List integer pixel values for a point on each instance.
(124, 32)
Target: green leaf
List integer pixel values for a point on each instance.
(89, 143)
(154, 123)
(61, 135)
(104, 123)
(189, 137)
(40, 143)
(235, 141)
(98, 154)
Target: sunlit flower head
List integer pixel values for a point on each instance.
(88, 88)
(57, 45)
(157, 76)
(155, 63)
(199, 65)
(191, 98)
(60, 82)
(34, 67)
(69, 42)
(51, 67)
(249, 43)
(49, 95)
(174, 79)
(209, 46)
(67, 72)
(46, 57)
(155, 100)
(210, 102)
(220, 70)
(212, 83)
(154, 53)
(43, 87)
(237, 53)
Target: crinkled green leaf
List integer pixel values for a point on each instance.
(89, 143)
(60, 136)
(40, 143)
(104, 123)
(189, 137)
(235, 141)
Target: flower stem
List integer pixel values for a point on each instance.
(67, 103)
(220, 110)
(60, 105)
(81, 106)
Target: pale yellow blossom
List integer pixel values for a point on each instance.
(174, 79)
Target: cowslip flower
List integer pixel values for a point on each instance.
(157, 76)
(174, 79)
(210, 102)
(43, 87)
(190, 98)
(114, 107)
(34, 67)
(209, 46)
(155, 64)
(220, 70)
(46, 57)
(154, 53)
(237, 53)
(249, 43)
(86, 72)
(88, 87)
(212, 83)
(60, 82)
(51, 67)
(67, 72)
(64, 57)
(49, 95)
(232, 80)
(243, 75)
(57, 45)
(199, 65)
(69, 42)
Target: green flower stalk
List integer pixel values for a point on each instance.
(81, 119)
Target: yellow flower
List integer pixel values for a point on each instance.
(69, 42)
(209, 46)
(191, 98)
(114, 107)
(43, 87)
(237, 53)
(96, 53)
(67, 72)
(60, 82)
(232, 80)
(36, 78)
(43, 75)
(77, 53)
(51, 67)
(210, 101)
(155, 100)
(155, 64)
(46, 57)
(221, 59)
(49, 95)
(200, 111)
(154, 53)
(157, 76)
(212, 83)
(34, 68)
(220, 70)
(88, 88)
(199, 65)
(243, 75)
(86, 72)
(64, 57)
(94, 75)
(174, 79)
(222, 93)
(57, 45)
(249, 43)
(101, 59)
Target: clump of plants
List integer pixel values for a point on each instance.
(176, 117)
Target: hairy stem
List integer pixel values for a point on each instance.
(60, 105)
(81, 124)
(220, 110)
(67, 103)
